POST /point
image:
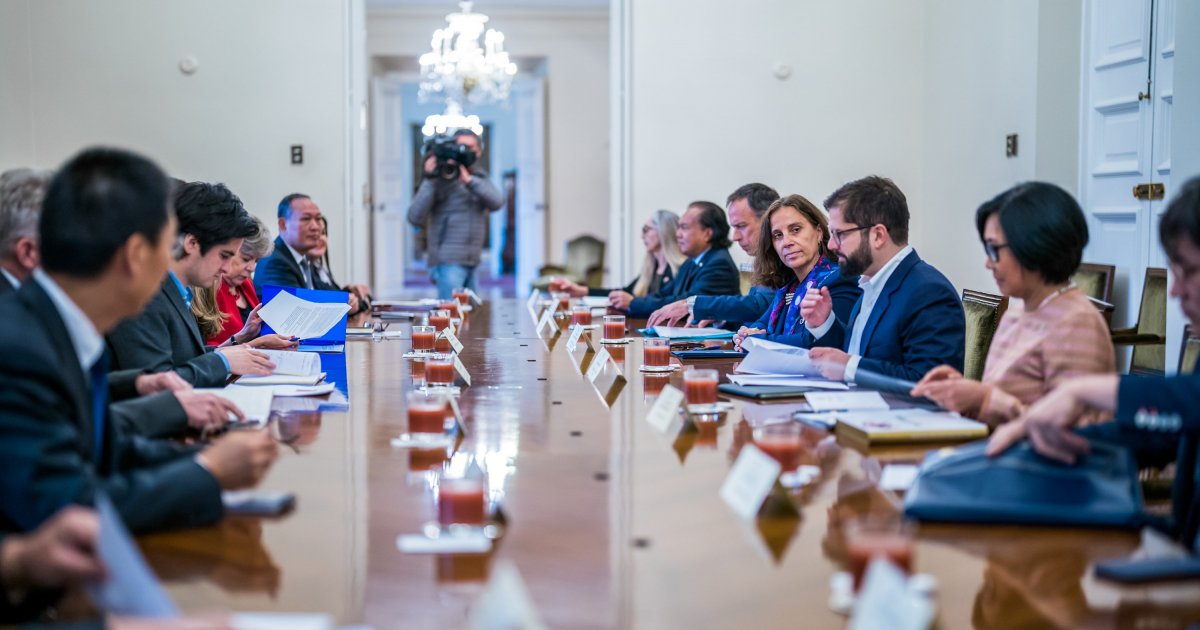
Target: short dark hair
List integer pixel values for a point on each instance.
(758, 196)
(870, 201)
(285, 205)
(712, 217)
(467, 132)
(1182, 218)
(212, 214)
(1044, 226)
(96, 202)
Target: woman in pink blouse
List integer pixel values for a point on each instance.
(1033, 235)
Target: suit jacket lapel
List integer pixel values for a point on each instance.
(73, 377)
(285, 253)
(181, 309)
(686, 271)
(885, 297)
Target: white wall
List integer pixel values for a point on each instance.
(575, 47)
(272, 73)
(16, 132)
(922, 91)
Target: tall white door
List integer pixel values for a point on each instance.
(1126, 128)
(528, 97)
(389, 200)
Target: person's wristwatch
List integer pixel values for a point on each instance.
(691, 303)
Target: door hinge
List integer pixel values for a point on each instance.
(1149, 192)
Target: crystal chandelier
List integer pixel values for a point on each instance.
(451, 120)
(459, 69)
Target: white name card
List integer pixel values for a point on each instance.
(533, 296)
(597, 365)
(573, 340)
(665, 409)
(458, 417)
(846, 401)
(453, 339)
(547, 316)
(478, 300)
(750, 481)
(462, 371)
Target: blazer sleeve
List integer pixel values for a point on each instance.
(156, 416)
(718, 278)
(734, 308)
(934, 333)
(277, 272)
(122, 384)
(1164, 394)
(143, 343)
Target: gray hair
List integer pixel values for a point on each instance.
(260, 245)
(21, 193)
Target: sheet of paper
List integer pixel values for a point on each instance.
(885, 601)
(594, 301)
(255, 402)
(679, 332)
(129, 587)
(598, 362)
(769, 357)
(505, 603)
(294, 363)
(846, 401)
(786, 380)
(462, 371)
(779, 413)
(289, 315)
(281, 379)
(453, 339)
(419, 543)
(328, 348)
(292, 391)
(280, 621)
(898, 476)
(749, 482)
(665, 408)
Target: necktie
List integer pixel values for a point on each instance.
(306, 267)
(99, 385)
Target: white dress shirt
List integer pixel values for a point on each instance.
(88, 343)
(12, 280)
(871, 288)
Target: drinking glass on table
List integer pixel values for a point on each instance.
(614, 327)
(889, 536)
(427, 412)
(422, 338)
(700, 386)
(783, 442)
(439, 370)
(656, 352)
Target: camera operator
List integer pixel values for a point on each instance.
(452, 203)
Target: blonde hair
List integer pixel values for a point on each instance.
(665, 222)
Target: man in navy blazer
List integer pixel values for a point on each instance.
(909, 319)
(703, 236)
(301, 227)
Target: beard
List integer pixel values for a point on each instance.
(857, 261)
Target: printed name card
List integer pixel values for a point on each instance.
(665, 409)
(453, 339)
(462, 371)
(573, 340)
(547, 316)
(533, 296)
(597, 365)
(750, 481)
(478, 300)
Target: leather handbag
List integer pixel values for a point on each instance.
(1019, 486)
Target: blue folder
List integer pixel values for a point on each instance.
(335, 337)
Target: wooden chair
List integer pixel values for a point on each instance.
(584, 256)
(1096, 282)
(1149, 336)
(983, 312)
(1189, 351)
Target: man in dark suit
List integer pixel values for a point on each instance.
(212, 225)
(106, 232)
(703, 236)
(909, 319)
(300, 229)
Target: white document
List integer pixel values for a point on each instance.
(129, 588)
(898, 476)
(505, 603)
(846, 401)
(294, 391)
(291, 316)
(665, 408)
(280, 621)
(602, 357)
(679, 332)
(255, 402)
(769, 357)
(777, 413)
(467, 543)
(786, 380)
(453, 339)
(294, 363)
(281, 379)
(594, 301)
(750, 481)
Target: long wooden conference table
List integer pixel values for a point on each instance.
(610, 523)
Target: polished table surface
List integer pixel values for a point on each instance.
(610, 523)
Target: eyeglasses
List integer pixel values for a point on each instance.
(838, 234)
(993, 250)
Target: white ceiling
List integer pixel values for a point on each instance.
(483, 6)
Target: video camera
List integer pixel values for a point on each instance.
(450, 155)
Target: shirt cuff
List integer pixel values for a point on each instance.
(228, 370)
(851, 368)
(821, 330)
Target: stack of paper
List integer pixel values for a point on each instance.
(291, 316)
(786, 380)
(769, 357)
(294, 363)
(255, 402)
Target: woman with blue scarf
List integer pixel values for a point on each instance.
(793, 255)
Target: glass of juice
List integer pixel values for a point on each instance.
(700, 386)
(581, 316)
(423, 338)
(439, 319)
(427, 412)
(439, 370)
(461, 501)
(462, 296)
(656, 352)
(562, 302)
(783, 441)
(887, 535)
(450, 306)
(614, 327)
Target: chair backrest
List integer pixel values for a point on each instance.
(1152, 320)
(583, 253)
(1189, 352)
(1095, 280)
(983, 312)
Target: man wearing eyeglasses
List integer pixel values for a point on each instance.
(909, 319)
